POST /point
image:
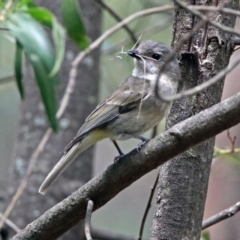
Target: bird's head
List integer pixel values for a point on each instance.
(149, 58)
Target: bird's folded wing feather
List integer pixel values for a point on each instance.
(127, 97)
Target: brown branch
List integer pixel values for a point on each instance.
(88, 220)
(118, 18)
(134, 165)
(215, 9)
(147, 208)
(227, 213)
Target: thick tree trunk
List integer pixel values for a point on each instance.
(33, 124)
(183, 181)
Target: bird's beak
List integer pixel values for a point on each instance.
(133, 53)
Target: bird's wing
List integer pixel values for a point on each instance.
(127, 97)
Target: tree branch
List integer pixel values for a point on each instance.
(227, 213)
(134, 165)
(118, 18)
(149, 203)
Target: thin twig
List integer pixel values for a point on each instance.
(215, 9)
(147, 208)
(154, 134)
(204, 85)
(88, 220)
(113, 48)
(232, 140)
(227, 213)
(118, 18)
(12, 225)
(144, 84)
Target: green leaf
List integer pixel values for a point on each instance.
(1, 3)
(32, 38)
(205, 235)
(59, 42)
(73, 22)
(46, 18)
(39, 51)
(42, 15)
(46, 86)
(18, 68)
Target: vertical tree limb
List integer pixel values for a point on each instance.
(182, 186)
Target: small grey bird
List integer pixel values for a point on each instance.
(131, 110)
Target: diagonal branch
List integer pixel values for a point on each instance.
(227, 213)
(134, 165)
(118, 18)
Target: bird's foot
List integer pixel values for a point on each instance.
(117, 158)
(141, 144)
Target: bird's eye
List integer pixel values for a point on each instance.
(156, 56)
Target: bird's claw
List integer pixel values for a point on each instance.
(117, 158)
(141, 144)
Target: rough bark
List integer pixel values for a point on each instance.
(134, 165)
(33, 124)
(183, 181)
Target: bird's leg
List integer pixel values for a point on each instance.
(121, 154)
(143, 139)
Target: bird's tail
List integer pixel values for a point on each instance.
(68, 158)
